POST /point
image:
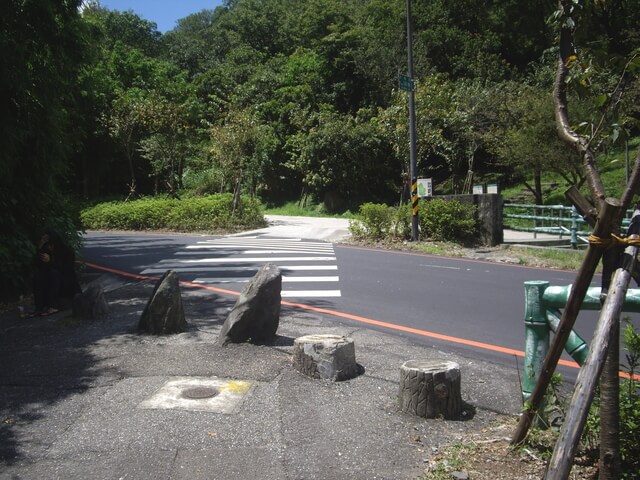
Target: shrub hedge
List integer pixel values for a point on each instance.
(444, 220)
(447, 220)
(206, 213)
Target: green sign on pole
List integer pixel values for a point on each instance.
(406, 83)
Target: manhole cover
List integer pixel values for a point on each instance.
(197, 393)
(200, 394)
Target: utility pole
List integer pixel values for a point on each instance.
(412, 130)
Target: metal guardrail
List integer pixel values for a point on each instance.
(551, 219)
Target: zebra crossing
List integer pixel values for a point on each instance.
(309, 269)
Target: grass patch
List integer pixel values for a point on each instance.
(453, 460)
(541, 257)
(563, 259)
(448, 249)
(294, 209)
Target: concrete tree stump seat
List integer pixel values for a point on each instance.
(430, 389)
(331, 357)
(90, 304)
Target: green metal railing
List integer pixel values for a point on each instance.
(551, 219)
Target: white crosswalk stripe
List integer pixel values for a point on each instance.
(234, 260)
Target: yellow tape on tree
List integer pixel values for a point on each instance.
(613, 241)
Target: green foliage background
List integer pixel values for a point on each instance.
(283, 101)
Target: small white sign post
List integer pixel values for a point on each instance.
(425, 187)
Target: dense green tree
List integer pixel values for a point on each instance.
(527, 145)
(240, 151)
(130, 90)
(41, 51)
(189, 45)
(380, 51)
(125, 27)
(343, 159)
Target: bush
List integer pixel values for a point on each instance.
(374, 222)
(207, 213)
(447, 220)
(21, 226)
(204, 182)
(402, 222)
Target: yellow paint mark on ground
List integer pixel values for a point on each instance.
(236, 386)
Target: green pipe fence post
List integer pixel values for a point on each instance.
(536, 334)
(576, 346)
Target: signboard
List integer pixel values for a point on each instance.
(406, 83)
(492, 188)
(478, 189)
(425, 187)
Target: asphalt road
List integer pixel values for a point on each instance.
(473, 301)
(479, 304)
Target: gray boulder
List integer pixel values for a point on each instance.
(90, 304)
(256, 314)
(164, 313)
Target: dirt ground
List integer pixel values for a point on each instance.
(488, 455)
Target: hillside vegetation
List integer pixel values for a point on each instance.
(283, 101)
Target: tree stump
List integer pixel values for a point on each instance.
(330, 357)
(430, 389)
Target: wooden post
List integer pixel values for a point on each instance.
(564, 451)
(569, 315)
(585, 209)
(610, 461)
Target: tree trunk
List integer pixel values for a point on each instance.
(236, 197)
(610, 461)
(609, 465)
(538, 186)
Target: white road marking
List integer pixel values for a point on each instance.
(204, 268)
(311, 279)
(246, 279)
(268, 252)
(310, 293)
(259, 259)
(441, 266)
(237, 252)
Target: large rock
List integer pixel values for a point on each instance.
(164, 313)
(256, 314)
(91, 303)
